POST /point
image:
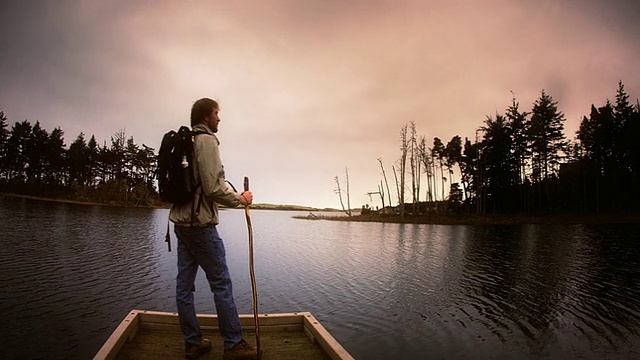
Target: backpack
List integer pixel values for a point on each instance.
(176, 181)
(175, 171)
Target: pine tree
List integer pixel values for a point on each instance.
(4, 137)
(517, 123)
(546, 133)
(500, 166)
(438, 152)
(77, 161)
(16, 154)
(56, 154)
(36, 153)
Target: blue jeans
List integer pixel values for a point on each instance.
(202, 246)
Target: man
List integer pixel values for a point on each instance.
(199, 243)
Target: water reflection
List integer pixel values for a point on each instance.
(63, 266)
(385, 291)
(541, 288)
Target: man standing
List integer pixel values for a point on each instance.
(199, 243)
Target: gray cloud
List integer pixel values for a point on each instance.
(310, 87)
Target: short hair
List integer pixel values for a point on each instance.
(202, 108)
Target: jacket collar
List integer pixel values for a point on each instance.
(205, 128)
(202, 127)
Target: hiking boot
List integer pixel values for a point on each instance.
(192, 351)
(241, 350)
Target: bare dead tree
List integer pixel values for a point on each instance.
(395, 176)
(404, 149)
(432, 170)
(384, 176)
(426, 161)
(415, 168)
(346, 173)
(338, 191)
(379, 192)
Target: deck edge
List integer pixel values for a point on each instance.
(138, 319)
(325, 339)
(125, 331)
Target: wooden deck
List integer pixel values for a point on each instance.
(156, 335)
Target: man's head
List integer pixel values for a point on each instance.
(205, 111)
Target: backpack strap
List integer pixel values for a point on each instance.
(195, 210)
(233, 187)
(167, 237)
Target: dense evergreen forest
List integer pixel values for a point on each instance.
(38, 163)
(522, 163)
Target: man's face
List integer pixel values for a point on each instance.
(212, 120)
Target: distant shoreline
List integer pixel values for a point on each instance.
(257, 206)
(494, 219)
(67, 201)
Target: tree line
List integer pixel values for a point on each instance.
(521, 162)
(36, 162)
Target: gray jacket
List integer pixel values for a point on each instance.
(209, 172)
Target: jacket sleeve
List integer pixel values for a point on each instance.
(207, 154)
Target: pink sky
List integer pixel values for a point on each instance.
(308, 88)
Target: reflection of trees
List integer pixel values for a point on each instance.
(36, 162)
(426, 274)
(514, 280)
(610, 287)
(541, 283)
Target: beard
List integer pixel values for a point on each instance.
(213, 125)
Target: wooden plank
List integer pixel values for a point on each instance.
(247, 321)
(158, 317)
(263, 328)
(324, 338)
(125, 331)
(153, 345)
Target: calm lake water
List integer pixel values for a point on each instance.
(70, 273)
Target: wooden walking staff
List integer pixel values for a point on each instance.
(252, 273)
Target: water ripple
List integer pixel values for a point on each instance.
(383, 290)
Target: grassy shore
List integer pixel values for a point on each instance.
(259, 206)
(494, 219)
(262, 206)
(65, 201)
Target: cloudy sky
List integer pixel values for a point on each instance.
(309, 87)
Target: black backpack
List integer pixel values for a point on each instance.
(175, 171)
